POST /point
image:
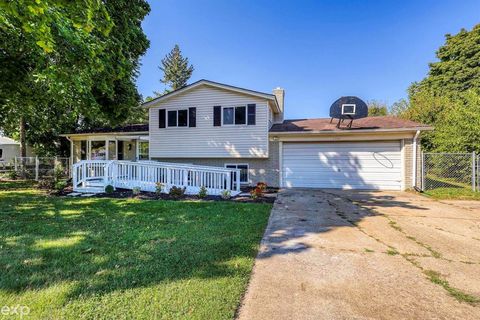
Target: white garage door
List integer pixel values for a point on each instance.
(343, 165)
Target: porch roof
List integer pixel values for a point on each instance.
(130, 128)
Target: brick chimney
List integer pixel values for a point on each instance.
(280, 95)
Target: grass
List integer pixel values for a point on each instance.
(125, 258)
(461, 296)
(453, 194)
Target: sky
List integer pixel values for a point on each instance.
(317, 51)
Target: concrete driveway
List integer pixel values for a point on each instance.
(330, 254)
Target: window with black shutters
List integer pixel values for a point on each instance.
(234, 115)
(182, 118)
(172, 118)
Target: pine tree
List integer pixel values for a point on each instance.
(176, 69)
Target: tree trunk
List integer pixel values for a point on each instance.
(23, 145)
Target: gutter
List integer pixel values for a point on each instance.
(354, 131)
(103, 134)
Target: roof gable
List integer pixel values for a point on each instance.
(212, 84)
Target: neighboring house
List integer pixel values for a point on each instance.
(9, 149)
(209, 123)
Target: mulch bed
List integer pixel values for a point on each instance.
(269, 196)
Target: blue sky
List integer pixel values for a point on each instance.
(316, 50)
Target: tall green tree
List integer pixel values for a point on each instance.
(377, 108)
(458, 68)
(448, 92)
(68, 64)
(176, 69)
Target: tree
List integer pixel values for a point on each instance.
(458, 127)
(176, 69)
(377, 108)
(68, 64)
(398, 108)
(446, 97)
(458, 68)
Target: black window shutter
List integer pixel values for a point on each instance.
(192, 117)
(217, 116)
(251, 114)
(161, 118)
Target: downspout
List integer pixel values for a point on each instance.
(414, 163)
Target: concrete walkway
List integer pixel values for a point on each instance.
(366, 255)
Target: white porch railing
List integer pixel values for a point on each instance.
(90, 174)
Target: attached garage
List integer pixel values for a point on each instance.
(343, 165)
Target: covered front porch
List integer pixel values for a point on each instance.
(109, 147)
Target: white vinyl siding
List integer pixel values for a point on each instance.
(206, 140)
(343, 165)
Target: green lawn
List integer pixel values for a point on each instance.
(122, 259)
(453, 194)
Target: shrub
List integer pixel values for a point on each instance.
(58, 172)
(177, 192)
(203, 192)
(47, 183)
(136, 191)
(12, 175)
(60, 185)
(255, 193)
(226, 194)
(109, 189)
(262, 186)
(159, 187)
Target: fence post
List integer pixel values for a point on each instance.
(15, 164)
(473, 171)
(36, 168)
(422, 186)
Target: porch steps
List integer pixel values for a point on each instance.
(90, 189)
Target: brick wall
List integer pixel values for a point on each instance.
(408, 172)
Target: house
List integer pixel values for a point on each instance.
(9, 149)
(212, 124)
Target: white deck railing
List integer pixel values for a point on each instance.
(146, 174)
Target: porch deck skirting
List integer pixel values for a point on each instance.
(95, 175)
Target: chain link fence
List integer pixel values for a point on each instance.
(36, 168)
(450, 170)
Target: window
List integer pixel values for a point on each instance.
(227, 115)
(172, 118)
(348, 108)
(143, 147)
(1, 153)
(243, 171)
(235, 115)
(83, 150)
(240, 115)
(98, 150)
(178, 118)
(182, 118)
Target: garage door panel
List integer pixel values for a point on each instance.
(353, 165)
